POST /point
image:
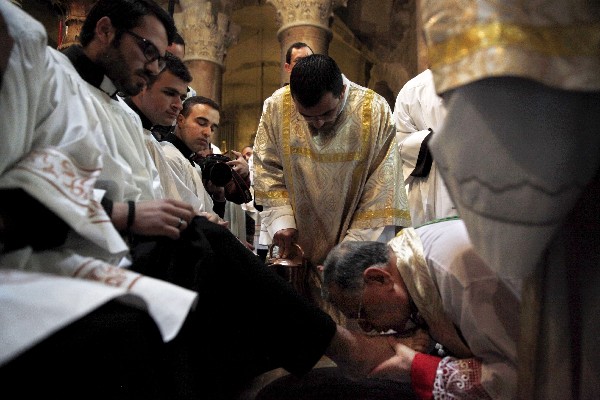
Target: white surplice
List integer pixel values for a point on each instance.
(417, 109)
(456, 293)
(52, 147)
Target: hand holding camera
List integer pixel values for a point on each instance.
(217, 170)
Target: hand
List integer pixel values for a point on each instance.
(164, 217)
(419, 341)
(239, 165)
(214, 218)
(396, 368)
(247, 244)
(285, 239)
(216, 192)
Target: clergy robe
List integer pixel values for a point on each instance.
(336, 185)
(469, 309)
(50, 149)
(418, 108)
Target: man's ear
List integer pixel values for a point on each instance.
(105, 31)
(180, 119)
(376, 276)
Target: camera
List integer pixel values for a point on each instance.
(215, 169)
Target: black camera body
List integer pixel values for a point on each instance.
(215, 169)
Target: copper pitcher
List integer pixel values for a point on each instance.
(295, 270)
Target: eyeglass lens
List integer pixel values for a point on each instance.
(149, 49)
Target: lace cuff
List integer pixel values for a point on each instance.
(459, 379)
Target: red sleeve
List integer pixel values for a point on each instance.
(422, 375)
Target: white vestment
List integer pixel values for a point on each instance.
(456, 293)
(183, 172)
(417, 109)
(52, 147)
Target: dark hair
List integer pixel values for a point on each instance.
(192, 101)
(313, 76)
(178, 39)
(124, 15)
(346, 262)
(297, 45)
(175, 66)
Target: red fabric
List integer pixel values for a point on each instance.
(422, 375)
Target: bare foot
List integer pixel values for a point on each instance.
(356, 353)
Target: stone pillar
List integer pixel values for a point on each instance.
(207, 34)
(422, 54)
(306, 21)
(77, 10)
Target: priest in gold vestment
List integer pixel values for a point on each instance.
(327, 168)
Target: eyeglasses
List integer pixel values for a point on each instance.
(361, 318)
(361, 312)
(149, 49)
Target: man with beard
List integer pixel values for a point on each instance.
(121, 52)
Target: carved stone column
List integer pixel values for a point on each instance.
(207, 34)
(422, 53)
(76, 11)
(306, 21)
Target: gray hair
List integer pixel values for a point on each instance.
(346, 262)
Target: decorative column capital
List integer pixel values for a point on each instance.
(207, 33)
(317, 13)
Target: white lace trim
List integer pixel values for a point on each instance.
(458, 379)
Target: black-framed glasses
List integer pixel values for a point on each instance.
(149, 49)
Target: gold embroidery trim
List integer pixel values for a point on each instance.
(325, 158)
(287, 164)
(376, 214)
(566, 41)
(280, 194)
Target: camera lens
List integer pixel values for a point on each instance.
(220, 174)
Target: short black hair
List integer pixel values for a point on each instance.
(297, 45)
(192, 101)
(175, 66)
(178, 39)
(124, 15)
(313, 76)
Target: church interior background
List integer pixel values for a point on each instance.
(235, 49)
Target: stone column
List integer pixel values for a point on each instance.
(207, 34)
(306, 21)
(77, 10)
(422, 54)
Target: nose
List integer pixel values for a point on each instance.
(178, 104)
(317, 123)
(152, 67)
(205, 130)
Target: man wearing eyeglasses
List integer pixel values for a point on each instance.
(122, 50)
(325, 164)
(431, 277)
